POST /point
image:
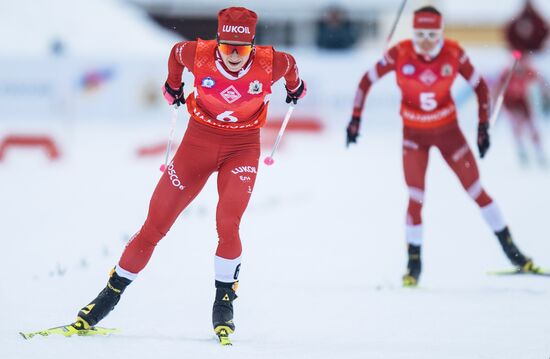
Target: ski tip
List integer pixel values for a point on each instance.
(222, 332)
(225, 341)
(409, 281)
(25, 336)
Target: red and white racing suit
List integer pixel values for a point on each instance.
(430, 119)
(227, 110)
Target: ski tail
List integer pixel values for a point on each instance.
(517, 271)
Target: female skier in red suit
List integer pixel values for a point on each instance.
(519, 109)
(426, 68)
(233, 79)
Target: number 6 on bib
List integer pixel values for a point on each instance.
(226, 117)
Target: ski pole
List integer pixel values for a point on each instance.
(395, 22)
(386, 48)
(170, 136)
(500, 99)
(269, 159)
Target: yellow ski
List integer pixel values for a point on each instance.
(70, 330)
(223, 335)
(534, 271)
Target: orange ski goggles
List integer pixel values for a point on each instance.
(242, 50)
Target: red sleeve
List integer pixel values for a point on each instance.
(284, 65)
(467, 70)
(382, 67)
(182, 56)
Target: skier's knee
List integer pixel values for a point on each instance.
(151, 234)
(478, 194)
(416, 195)
(227, 225)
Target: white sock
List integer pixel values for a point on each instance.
(227, 270)
(124, 273)
(413, 234)
(492, 215)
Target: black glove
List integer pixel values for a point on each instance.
(173, 96)
(352, 131)
(297, 94)
(483, 140)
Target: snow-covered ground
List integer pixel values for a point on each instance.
(323, 255)
(323, 242)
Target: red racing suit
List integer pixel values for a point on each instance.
(429, 116)
(519, 107)
(227, 110)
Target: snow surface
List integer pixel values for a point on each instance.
(323, 251)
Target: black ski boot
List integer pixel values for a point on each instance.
(106, 300)
(524, 264)
(222, 311)
(414, 266)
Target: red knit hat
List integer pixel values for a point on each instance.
(237, 24)
(427, 18)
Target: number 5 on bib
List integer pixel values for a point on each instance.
(428, 101)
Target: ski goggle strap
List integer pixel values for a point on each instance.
(242, 50)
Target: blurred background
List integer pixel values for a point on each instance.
(63, 62)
